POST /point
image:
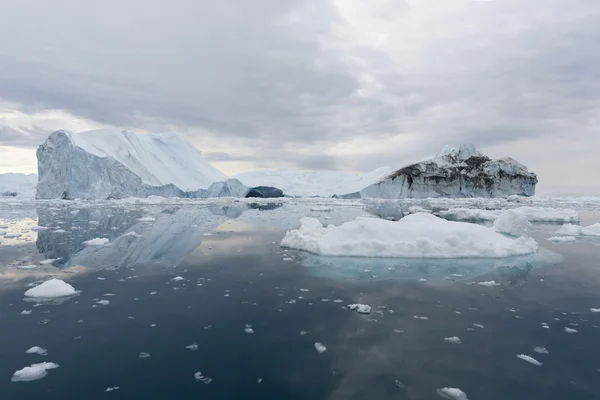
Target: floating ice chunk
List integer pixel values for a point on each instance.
(360, 308)
(33, 372)
(103, 302)
(201, 378)
(248, 329)
(470, 214)
(577, 230)
(338, 301)
(59, 231)
(319, 347)
(453, 340)
(25, 267)
(512, 222)
(110, 389)
(594, 309)
(415, 236)
(302, 333)
(194, 346)
(321, 208)
(143, 354)
(422, 280)
(96, 242)
(147, 218)
(479, 326)
(133, 234)
(179, 278)
(49, 261)
(25, 312)
(529, 359)
(562, 239)
(287, 259)
(37, 350)
(51, 289)
(422, 318)
(259, 380)
(570, 330)
(488, 283)
(541, 350)
(452, 393)
(37, 228)
(304, 290)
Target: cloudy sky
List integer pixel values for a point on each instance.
(316, 84)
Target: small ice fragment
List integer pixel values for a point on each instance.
(178, 278)
(453, 340)
(529, 359)
(152, 325)
(37, 350)
(25, 312)
(452, 393)
(423, 318)
(302, 333)
(153, 293)
(304, 290)
(33, 372)
(259, 380)
(541, 350)
(488, 283)
(27, 267)
(325, 300)
(360, 308)
(287, 259)
(398, 331)
(338, 301)
(103, 302)
(545, 325)
(248, 329)
(194, 346)
(478, 326)
(319, 347)
(38, 228)
(96, 242)
(110, 389)
(399, 384)
(201, 378)
(100, 278)
(594, 309)
(570, 330)
(147, 219)
(49, 261)
(144, 355)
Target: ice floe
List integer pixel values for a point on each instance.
(578, 230)
(453, 340)
(452, 393)
(37, 350)
(96, 242)
(52, 288)
(562, 239)
(194, 346)
(488, 283)
(541, 350)
(415, 236)
(360, 308)
(529, 359)
(319, 347)
(33, 372)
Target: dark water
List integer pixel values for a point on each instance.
(238, 276)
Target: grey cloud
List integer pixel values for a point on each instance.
(271, 73)
(22, 136)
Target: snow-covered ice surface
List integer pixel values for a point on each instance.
(577, 230)
(419, 235)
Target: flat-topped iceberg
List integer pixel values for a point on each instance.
(419, 235)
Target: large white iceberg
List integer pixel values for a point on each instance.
(455, 172)
(113, 163)
(418, 235)
(33, 372)
(51, 289)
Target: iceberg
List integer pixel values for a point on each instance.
(419, 235)
(455, 172)
(33, 372)
(577, 230)
(51, 289)
(16, 184)
(114, 164)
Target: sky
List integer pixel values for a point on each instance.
(347, 85)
